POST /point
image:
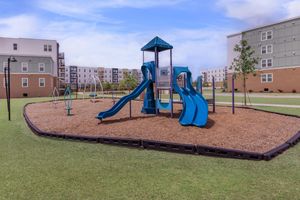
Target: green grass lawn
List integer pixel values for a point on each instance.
(291, 111)
(286, 101)
(264, 100)
(32, 167)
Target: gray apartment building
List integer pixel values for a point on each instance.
(110, 75)
(219, 74)
(36, 70)
(278, 48)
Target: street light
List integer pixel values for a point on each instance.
(7, 82)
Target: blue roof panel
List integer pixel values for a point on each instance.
(157, 42)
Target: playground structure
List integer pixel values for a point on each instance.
(93, 93)
(55, 96)
(246, 138)
(68, 100)
(157, 79)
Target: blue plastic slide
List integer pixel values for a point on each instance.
(122, 102)
(195, 108)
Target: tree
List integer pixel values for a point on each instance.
(129, 82)
(244, 64)
(106, 85)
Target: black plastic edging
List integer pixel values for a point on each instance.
(276, 151)
(228, 153)
(168, 146)
(173, 147)
(294, 140)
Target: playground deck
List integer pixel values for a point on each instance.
(248, 130)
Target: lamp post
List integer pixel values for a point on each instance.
(7, 83)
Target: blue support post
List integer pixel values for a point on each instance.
(232, 88)
(171, 83)
(201, 85)
(156, 81)
(214, 94)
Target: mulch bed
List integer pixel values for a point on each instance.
(248, 130)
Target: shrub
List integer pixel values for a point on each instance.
(294, 91)
(280, 91)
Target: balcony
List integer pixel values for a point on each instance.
(61, 56)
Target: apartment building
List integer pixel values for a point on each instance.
(110, 75)
(35, 72)
(277, 46)
(218, 73)
(61, 72)
(79, 74)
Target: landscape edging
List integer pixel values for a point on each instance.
(173, 147)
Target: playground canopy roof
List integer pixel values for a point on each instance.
(157, 42)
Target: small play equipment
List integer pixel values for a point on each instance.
(68, 100)
(55, 95)
(96, 88)
(199, 88)
(195, 108)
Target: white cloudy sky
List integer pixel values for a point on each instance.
(111, 32)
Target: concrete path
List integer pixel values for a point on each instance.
(261, 104)
(256, 95)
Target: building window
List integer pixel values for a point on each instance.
(263, 50)
(267, 49)
(270, 62)
(267, 78)
(266, 63)
(50, 48)
(24, 82)
(269, 35)
(15, 46)
(41, 67)
(45, 47)
(24, 67)
(42, 82)
(263, 36)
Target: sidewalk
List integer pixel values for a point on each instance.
(260, 104)
(256, 95)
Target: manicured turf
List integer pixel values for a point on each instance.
(32, 167)
(291, 111)
(284, 101)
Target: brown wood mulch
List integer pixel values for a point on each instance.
(247, 130)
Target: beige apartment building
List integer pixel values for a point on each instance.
(35, 74)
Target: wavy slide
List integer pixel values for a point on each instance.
(195, 108)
